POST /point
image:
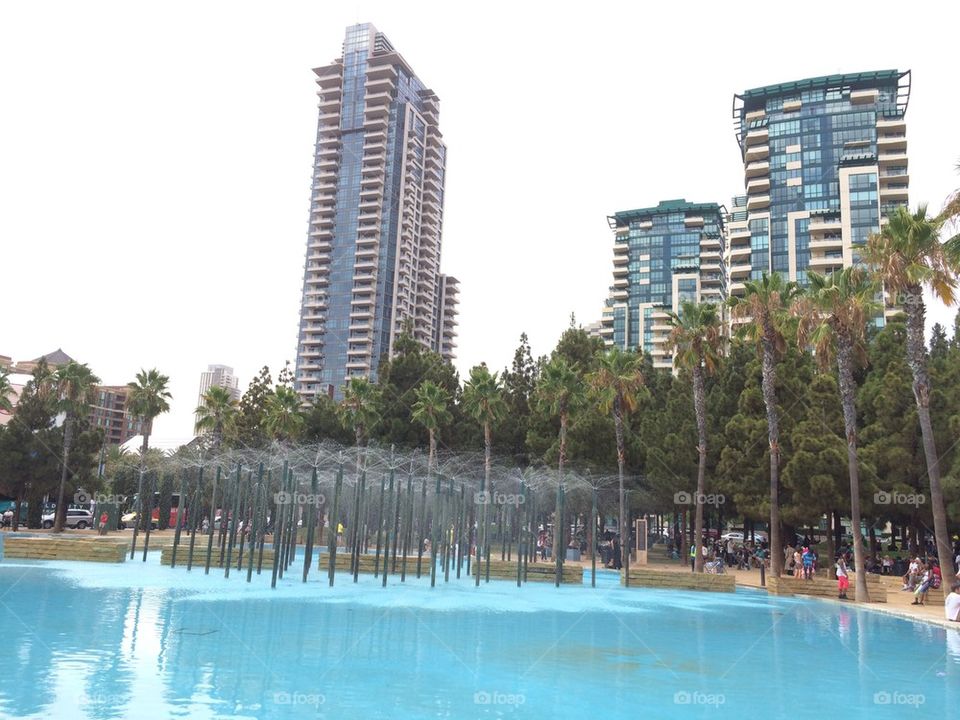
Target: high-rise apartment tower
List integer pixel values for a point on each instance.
(662, 256)
(825, 160)
(376, 218)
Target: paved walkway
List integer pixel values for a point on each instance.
(898, 602)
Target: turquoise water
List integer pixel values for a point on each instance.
(83, 640)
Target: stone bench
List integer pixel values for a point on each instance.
(642, 577)
(570, 574)
(200, 555)
(823, 587)
(55, 548)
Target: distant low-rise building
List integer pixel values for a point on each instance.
(109, 413)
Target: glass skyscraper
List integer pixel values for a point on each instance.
(825, 159)
(376, 216)
(662, 256)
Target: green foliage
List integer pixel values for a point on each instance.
(743, 474)
(398, 380)
(322, 421)
(360, 407)
(815, 475)
(890, 436)
(284, 420)
(148, 397)
(216, 412)
(249, 427)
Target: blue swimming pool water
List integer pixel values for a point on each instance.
(83, 640)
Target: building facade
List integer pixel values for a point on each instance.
(108, 412)
(445, 342)
(825, 160)
(662, 256)
(376, 217)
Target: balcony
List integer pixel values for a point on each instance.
(739, 234)
(740, 269)
(693, 221)
(620, 294)
(819, 225)
(896, 172)
(757, 152)
(758, 185)
(621, 271)
(894, 191)
(892, 141)
(757, 168)
(824, 263)
(758, 136)
(863, 97)
(832, 243)
(377, 98)
(758, 202)
(892, 157)
(740, 252)
(891, 124)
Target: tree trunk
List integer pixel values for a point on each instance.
(143, 459)
(482, 535)
(557, 519)
(618, 426)
(700, 407)
(831, 545)
(773, 435)
(917, 359)
(61, 513)
(847, 388)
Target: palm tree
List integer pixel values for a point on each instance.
(618, 382)
(483, 401)
(766, 306)
(284, 418)
(147, 398)
(6, 390)
(76, 385)
(216, 411)
(906, 255)
(359, 409)
(696, 341)
(560, 391)
(833, 319)
(951, 212)
(430, 410)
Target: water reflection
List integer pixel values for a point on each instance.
(114, 652)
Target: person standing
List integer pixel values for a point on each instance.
(951, 603)
(843, 580)
(807, 559)
(693, 557)
(104, 519)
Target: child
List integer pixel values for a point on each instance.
(807, 564)
(843, 581)
(920, 594)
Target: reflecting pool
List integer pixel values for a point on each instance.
(84, 640)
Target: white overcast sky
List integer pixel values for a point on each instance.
(155, 158)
